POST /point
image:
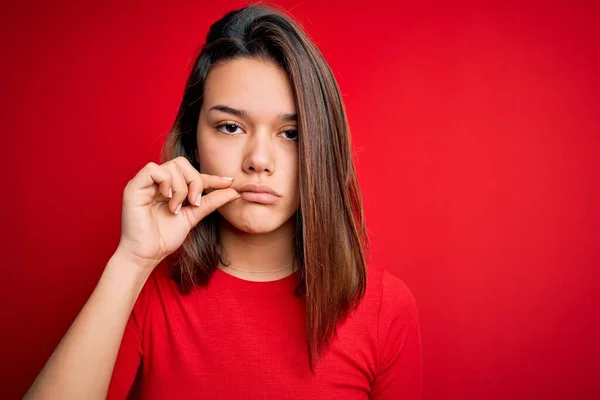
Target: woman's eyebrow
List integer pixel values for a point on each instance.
(244, 114)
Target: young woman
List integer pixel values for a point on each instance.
(254, 285)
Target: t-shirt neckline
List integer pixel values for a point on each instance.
(277, 285)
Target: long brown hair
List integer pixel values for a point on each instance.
(331, 240)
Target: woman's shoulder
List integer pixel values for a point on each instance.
(159, 279)
(392, 296)
(159, 287)
(386, 285)
(398, 338)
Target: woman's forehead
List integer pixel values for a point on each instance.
(258, 87)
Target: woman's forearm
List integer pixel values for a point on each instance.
(81, 365)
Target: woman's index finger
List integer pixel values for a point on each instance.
(216, 182)
(191, 174)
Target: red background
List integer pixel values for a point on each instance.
(477, 138)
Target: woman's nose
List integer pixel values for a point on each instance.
(259, 154)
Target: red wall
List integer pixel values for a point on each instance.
(477, 136)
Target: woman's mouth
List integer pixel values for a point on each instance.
(260, 197)
(259, 193)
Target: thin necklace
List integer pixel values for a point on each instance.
(260, 272)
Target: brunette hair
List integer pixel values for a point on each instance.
(331, 241)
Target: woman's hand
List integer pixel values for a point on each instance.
(154, 224)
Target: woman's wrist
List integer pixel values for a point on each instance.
(132, 260)
(127, 266)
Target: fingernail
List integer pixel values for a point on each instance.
(170, 192)
(227, 178)
(237, 197)
(177, 209)
(197, 202)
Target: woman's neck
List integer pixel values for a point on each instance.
(266, 252)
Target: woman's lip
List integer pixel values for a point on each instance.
(259, 197)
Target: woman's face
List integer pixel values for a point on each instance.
(247, 130)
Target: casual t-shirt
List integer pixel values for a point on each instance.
(239, 339)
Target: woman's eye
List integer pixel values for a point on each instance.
(291, 134)
(228, 128)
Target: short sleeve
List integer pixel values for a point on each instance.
(131, 350)
(399, 373)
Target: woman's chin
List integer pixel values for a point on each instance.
(254, 227)
(255, 224)
(254, 220)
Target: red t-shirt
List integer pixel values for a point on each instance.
(238, 339)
